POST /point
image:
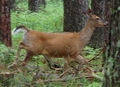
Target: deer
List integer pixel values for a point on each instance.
(67, 45)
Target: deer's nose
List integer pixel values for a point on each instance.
(106, 23)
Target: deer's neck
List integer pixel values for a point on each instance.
(86, 33)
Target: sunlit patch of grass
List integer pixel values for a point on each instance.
(49, 19)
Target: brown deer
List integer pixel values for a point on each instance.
(58, 45)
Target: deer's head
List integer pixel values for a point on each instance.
(96, 21)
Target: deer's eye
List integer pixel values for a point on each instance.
(97, 18)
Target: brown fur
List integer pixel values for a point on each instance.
(58, 45)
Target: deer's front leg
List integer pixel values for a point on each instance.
(67, 61)
(20, 46)
(84, 61)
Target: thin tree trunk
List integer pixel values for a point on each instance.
(74, 19)
(12, 4)
(5, 31)
(34, 5)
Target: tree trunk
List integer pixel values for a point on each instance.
(112, 52)
(97, 39)
(74, 19)
(34, 5)
(5, 31)
(12, 4)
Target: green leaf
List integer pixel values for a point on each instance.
(118, 43)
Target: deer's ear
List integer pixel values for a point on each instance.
(89, 15)
(89, 12)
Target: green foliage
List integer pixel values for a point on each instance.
(6, 54)
(95, 84)
(90, 52)
(22, 81)
(90, 1)
(118, 43)
(49, 19)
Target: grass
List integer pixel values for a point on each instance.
(49, 19)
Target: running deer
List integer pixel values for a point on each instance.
(65, 45)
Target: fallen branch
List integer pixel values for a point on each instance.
(75, 68)
(62, 80)
(63, 73)
(68, 79)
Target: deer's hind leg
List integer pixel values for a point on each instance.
(27, 58)
(20, 46)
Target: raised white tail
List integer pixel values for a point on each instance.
(19, 29)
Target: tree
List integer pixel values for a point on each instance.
(74, 19)
(97, 39)
(12, 4)
(34, 5)
(112, 52)
(5, 31)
